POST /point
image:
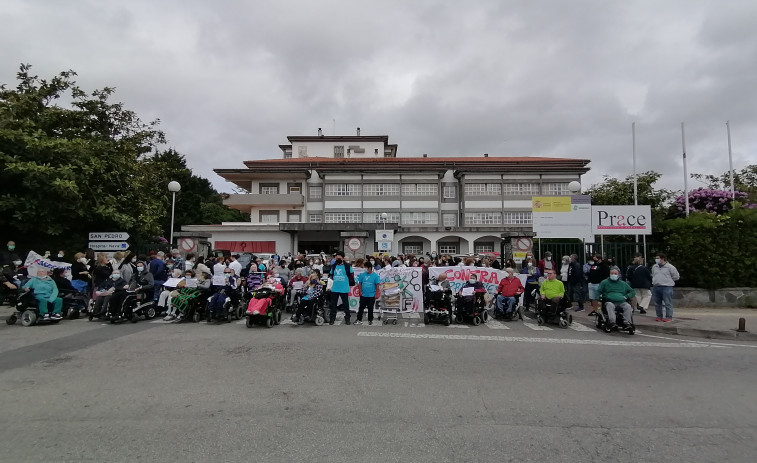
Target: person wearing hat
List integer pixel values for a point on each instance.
(45, 292)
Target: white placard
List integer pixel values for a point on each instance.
(468, 291)
(298, 284)
(190, 283)
(172, 282)
(435, 287)
(219, 280)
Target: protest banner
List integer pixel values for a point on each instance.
(35, 261)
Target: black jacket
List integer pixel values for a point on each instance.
(575, 274)
(639, 276)
(598, 272)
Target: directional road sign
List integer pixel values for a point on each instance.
(108, 245)
(108, 236)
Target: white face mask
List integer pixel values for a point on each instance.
(530, 264)
(60, 256)
(140, 269)
(472, 281)
(549, 258)
(116, 276)
(83, 260)
(614, 277)
(657, 261)
(17, 263)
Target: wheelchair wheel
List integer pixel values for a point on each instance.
(607, 328)
(196, 317)
(459, 318)
(539, 320)
(570, 319)
(269, 322)
(426, 319)
(249, 322)
(563, 323)
(238, 312)
(277, 317)
(28, 318)
(11, 320)
(631, 330)
(319, 320)
(150, 312)
(484, 316)
(447, 321)
(476, 320)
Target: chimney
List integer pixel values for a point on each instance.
(425, 155)
(486, 155)
(320, 132)
(358, 131)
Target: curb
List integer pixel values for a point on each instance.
(700, 333)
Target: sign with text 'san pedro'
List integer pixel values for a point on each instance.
(108, 236)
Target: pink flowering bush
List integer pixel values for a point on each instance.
(709, 200)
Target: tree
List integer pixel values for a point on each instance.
(89, 165)
(616, 192)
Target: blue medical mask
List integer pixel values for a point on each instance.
(614, 277)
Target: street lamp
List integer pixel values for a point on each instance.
(574, 187)
(174, 187)
(384, 216)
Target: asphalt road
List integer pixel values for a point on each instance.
(82, 391)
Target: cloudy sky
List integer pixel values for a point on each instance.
(231, 79)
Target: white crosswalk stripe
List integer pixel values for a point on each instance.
(496, 325)
(536, 327)
(579, 327)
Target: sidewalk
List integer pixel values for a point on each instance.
(703, 323)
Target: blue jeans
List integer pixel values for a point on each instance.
(336, 305)
(663, 296)
(510, 301)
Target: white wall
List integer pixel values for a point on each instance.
(325, 149)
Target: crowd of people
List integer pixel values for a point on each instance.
(175, 279)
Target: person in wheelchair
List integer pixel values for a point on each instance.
(552, 290)
(471, 293)
(309, 294)
(615, 293)
(221, 293)
(46, 294)
(508, 292)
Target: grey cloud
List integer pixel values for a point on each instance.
(230, 80)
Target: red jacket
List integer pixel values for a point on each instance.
(510, 287)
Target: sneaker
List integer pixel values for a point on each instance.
(56, 316)
(331, 322)
(658, 319)
(168, 318)
(358, 322)
(667, 319)
(46, 316)
(642, 311)
(579, 309)
(370, 322)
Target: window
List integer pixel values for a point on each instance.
(483, 189)
(558, 189)
(343, 217)
(483, 247)
(293, 216)
(269, 216)
(380, 189)
(420, 218)
(517, 218)
(447, 248)
(350, 189)
(315, 192)
(521, 189)
(449, 192)
(302, 151)
(375, 217)
(339, 151)
(315, 218)
(412, 248)
(483, 218)
(420, 189)
(269, 189)
(449, 220)
(287, 154)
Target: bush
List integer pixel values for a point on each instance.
(714, 250)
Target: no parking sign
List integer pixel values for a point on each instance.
(187, 245)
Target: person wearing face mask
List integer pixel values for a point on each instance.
(508, 291)
(309, 294)
(532, 281)
(547, 264)
(598, 272)
(563, 270)
(157, 267)
(61, 256)
(368, 281)
(295, 284)
(615, 293)
(46, 293)
(101, 270)
(104, 293)
(8, 255)
(664, 277)
(552, 290)
(465, 303)
(343, 278)
(79, 269)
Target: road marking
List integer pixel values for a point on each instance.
(459, 326)
(416, 325)
(536, 327)
(700, 342)
(595, 342)
(579, 327)
(496, 325)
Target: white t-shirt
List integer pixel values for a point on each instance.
(236, 266)
(218, 269)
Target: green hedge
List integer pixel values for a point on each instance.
(714, 251)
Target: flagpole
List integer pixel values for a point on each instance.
(685, 171)
(635, 176)
(730, 159)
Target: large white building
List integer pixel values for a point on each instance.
(341, 192)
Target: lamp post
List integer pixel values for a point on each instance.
(384, 216)
(174, 187)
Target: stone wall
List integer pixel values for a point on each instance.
(726, 297)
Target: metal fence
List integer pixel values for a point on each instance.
(622, 252)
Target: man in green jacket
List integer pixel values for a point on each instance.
(615, 292)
